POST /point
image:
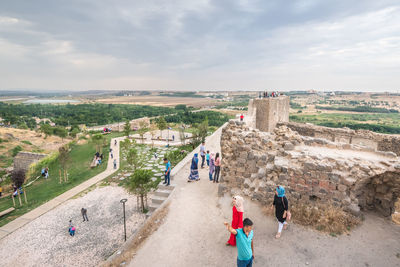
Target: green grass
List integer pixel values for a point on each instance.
(26, 142)
(44, 190)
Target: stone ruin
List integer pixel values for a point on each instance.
(23, 160)
(353, 175)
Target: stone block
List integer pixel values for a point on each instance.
(342, 188)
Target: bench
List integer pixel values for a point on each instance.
(7, 211)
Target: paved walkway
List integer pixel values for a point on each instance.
(193, 234)
(33, 214)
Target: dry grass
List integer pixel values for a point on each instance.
(323, 217)
(130, 249)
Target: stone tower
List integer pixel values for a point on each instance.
(265, 113)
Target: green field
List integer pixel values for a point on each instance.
(43, 190)
(388, 123)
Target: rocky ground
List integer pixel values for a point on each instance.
(46, 242)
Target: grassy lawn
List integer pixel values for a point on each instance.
(43, 190)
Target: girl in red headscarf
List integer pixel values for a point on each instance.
(237, 218)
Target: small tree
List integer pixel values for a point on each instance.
(161, 124)
(63, 158)
(144, 127)
(98, 140)
(46, 129)
(127, 128)
(18, 177)
(134, 159)
(182, 135)
(203, 130)
(153, 128)
(141, 183)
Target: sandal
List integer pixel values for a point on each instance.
(285, 227)
(278, 235)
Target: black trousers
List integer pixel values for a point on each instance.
(216, 173)
(203, 158)
(85, 218)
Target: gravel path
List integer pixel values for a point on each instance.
(193, 235)
(46, 242)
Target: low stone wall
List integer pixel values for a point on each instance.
(368, 139)
(23, 160)
(309, 168)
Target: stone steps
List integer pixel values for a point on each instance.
(162, 193)
(158, 200)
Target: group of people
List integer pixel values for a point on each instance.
(266, 94)
(72, 228)
(242, 230)
(213, 162)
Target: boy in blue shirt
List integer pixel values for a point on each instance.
(244, 243)
(167, 171)
(208, 158)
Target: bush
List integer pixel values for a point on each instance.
(16, 150)
(323, 217)
(26, 142)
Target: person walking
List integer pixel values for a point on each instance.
(211, 168)
(1, 190)
(237, 218)
(202, 154)
(194, 169)
(84, 214)
(217, 163)
(115, 163)
(281, 209)
(167, 171)
(244, 240)
(241, 117)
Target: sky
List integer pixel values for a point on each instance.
(200, 45)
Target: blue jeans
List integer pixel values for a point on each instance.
(210, 176)
(167, 178)
(245, 263)
(208, 162)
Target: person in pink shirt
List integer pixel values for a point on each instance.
(217, 163)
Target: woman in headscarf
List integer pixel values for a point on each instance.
(237, 218)
(194, 169)
(211, 167)
(281, 209)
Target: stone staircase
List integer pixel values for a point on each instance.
(160, 195)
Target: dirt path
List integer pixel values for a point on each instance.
(193, 235)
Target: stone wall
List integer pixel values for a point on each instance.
(310, 168)
(363, 138)
(23, 160)
(265, 113)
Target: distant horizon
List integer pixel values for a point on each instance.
(45, 91)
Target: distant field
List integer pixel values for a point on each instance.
(159, 101)
(377, 122)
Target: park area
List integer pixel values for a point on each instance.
(40, 190)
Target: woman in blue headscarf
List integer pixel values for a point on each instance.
(281, 209)
(194, 169)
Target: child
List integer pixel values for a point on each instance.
(71, 229)
(208, 158)
(244, 241)
(212, 167)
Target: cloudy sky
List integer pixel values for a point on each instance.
(200, 44)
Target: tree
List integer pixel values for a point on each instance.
(74, 132)
(161, 124)
(46, 129)
(97, 140)
(64, 158)
(134, 159)
(203, 130)
(140, 183)
(61, 132)
(143, 128)
(18, 177)
(153, 128)
(182, 135)
(127, 128)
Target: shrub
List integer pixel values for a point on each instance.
(16, 150)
